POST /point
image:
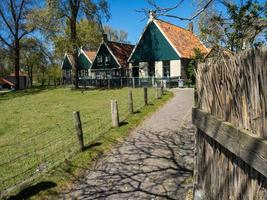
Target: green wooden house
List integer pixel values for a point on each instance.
(163, 50)
(111, 60)
(85, 60)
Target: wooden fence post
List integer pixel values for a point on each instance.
(133, 82)
(157, 93)
(109, 83)
(78, 126)
(161, 90)
(121, 83)
(114, 113)
(145, 96)
(130, 101)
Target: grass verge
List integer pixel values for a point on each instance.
(49, 185)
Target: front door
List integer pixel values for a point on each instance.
(151, 68)
(135, 71)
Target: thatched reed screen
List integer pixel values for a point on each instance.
(231, 162)
(235, 89)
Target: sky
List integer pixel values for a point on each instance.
(124, 16)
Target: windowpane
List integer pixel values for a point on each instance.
(107, 61)
(166, 68)
(99, 59)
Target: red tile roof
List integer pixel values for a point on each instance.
(4, 81)
(121, 51)
(90, 54)
(184, 41)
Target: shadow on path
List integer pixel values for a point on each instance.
(152, 165)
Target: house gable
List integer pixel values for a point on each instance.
(84, 63)
(104, 52)
(66, 63)
(153, 46)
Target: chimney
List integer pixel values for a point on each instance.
(191, 27)
(105, 37)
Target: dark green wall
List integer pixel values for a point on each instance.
(84, 63)
(153, 46)
(103, 51)
(66, 64)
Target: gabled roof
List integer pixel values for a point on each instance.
(120, 51)
(90, 55)
(184, 41)
(4, 81)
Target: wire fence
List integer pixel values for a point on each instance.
(135, 82)
(23, 160)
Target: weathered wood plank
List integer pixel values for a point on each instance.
(114, 113)
(78, 126)
(250, 148)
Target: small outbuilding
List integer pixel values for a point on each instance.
(23, 80)
(5, 84)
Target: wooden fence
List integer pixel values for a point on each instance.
(231, 120)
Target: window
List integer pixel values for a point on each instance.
(97, 75)
(107, 59)
(151, 68)
(166, 68)
(99, 60)
(108, 74)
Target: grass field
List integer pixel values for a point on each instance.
(37, 131)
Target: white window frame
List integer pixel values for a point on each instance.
(99, 60)
(107, 59)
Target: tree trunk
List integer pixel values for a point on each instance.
(16, 63)
(74, 50)
(31, 76)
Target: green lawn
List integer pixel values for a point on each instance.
(37, 131)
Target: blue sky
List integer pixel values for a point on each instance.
(126, 18)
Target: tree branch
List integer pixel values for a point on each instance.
(26, 33)
(159, 9)
(6, 22)
(5, 42)
(13, 12)
(191, 18)
(20, 10)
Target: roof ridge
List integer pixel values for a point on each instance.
(175, 25)
(120, 43)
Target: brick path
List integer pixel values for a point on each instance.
(155, 162)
